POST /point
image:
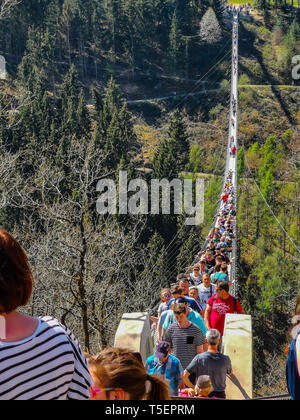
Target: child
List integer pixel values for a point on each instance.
(202, 389)
(203, 386)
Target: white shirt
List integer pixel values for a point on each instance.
(205, 293)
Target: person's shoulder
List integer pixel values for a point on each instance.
(150, 359)
(195, 327)
(226, 358)
(212, 299)
(52, 326)
(174, 359)
(52, 323)
(172, 327)
(196, 315)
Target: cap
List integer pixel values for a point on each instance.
(162, 350)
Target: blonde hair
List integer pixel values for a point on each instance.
(119, 368)
(163, 291)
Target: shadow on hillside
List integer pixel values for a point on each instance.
(248, 44)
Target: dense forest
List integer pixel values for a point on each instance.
(75, 109)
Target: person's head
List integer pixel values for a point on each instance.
(213, 337)
(224, 267)
(163, 350)
(203, 386)
(180, 277)
(206, 279)
(219, 259)
(217, 268)
(222, 289)
(165, 295)
(180, 312)
(209, 256)
(118, 375)
(184, 285)
(16, 279)
(176, 291)
(195, 270)
(193, 292)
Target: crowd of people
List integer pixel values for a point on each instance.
(40, 359)
(191, 316)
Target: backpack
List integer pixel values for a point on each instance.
(234, 303)
(225, 278)
(292, 377)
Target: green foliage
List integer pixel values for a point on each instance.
(175, 46)
(244, 80)
(216, 111)
(177, 133)
(212, 192)
(195, 163)
(240, 164)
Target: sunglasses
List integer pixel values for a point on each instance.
(178, 313)
(95, 391)
(166, 296)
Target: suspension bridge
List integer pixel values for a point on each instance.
(134, 330)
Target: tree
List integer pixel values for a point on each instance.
(165, 160)
(7, 6)
(210, 29)
(114, 130)
(240, 164)
(177, 133)
(175, 45)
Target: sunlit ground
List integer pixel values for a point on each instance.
(240, 2)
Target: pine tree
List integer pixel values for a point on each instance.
(177, 133)
(114, 130)
(175, 45)
(83, 118)
(165, 160)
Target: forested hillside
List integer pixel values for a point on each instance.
(69, 117)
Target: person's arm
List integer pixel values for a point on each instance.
(200, 349)
(186, 380)
(239, 308)
(207, 316)
(229, 367)
(159, 332)
(168, 337)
